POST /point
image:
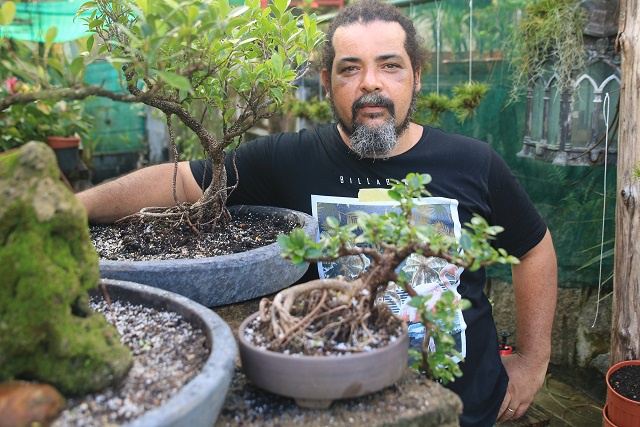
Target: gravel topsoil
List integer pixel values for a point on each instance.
(168, 352)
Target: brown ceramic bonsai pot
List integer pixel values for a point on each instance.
(621, 411)
(316, 381)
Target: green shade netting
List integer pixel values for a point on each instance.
(32, 21)
(569, 198)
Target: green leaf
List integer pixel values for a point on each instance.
(332, 222)
(76, 66)
(143, 5)
(175, 80)
(90, 42)
(466, 242)
(49, 37)
(7, 13)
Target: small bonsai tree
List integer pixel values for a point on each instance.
(305, 315)
(239, 62)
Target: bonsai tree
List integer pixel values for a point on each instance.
(300, 317)
(239, 62)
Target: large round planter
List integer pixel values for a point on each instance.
(223, 279)
(199, 402)
(620, 411)
(316, 381)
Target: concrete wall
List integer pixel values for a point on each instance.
(580, 339)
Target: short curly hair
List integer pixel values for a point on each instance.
(365, 11)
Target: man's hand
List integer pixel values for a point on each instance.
(535, 282)
(525, 379)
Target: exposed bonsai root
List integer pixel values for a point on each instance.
(195, 215)
(326, 316)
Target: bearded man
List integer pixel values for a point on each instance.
(372, 62)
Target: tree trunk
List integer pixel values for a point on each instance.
(625, 324)
(212, 204)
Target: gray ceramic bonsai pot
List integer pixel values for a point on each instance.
(316, 381)
(199, 402)
(223, 279)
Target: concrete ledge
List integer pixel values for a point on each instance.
(413, 401)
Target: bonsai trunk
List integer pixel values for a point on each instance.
(211, 208)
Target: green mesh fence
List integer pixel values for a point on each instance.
(119, 127)
(570, 198)
(33, 19)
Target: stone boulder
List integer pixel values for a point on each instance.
(47, 265)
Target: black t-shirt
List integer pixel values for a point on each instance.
(286, 169)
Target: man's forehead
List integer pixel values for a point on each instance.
(353, 38)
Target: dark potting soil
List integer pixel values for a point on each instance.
(150, 240)
(626, 382)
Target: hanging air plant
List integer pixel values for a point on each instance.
(466, 97)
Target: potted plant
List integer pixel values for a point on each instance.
(343, 321)
(49, 332)
(67, 127)
(240, 71)
(61, 124)
(623, 394)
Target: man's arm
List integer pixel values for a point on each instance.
(535, 282)
(151, 186)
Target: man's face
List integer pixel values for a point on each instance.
(372, 87)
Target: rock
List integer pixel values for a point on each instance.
(47, 266)
(26, 404)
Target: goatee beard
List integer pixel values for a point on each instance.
(375, 141)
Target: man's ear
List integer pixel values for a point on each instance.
(326, 82)
(417, 77)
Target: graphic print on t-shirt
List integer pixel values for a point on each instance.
(431, 275)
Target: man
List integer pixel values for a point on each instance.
(372, 65)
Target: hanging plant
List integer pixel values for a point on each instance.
(433, 105)
(551, 31)
(466, 98)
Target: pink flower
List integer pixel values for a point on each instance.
(11, 83)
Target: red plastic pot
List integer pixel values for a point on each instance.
(620, 411)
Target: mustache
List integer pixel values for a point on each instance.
(373, 99)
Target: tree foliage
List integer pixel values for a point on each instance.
(238, 61)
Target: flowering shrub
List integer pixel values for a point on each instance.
(22, 123)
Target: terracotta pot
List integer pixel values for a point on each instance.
(67, 151)
(605, 416)
(316, 381)
(57, 142)
(621, 412)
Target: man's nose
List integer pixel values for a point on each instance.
(371, 81)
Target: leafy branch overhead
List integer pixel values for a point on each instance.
(239, 62)
(388, 240)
